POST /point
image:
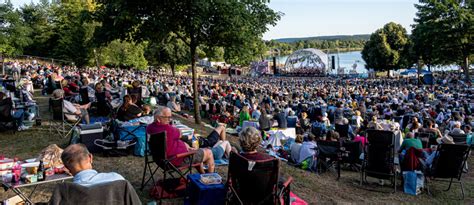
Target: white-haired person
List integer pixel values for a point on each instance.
(250, 139)
(174, 144)
(74, 110)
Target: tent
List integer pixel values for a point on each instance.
(414, 71)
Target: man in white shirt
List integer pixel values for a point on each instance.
(74, 110)
(78, 161)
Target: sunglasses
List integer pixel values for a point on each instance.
(166, 117)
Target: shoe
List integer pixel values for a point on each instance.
(381, 182)
(22, 127)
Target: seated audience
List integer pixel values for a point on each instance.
(174, 144)
(296, 148)
(128, 110)
(74, 110)
(250, 139)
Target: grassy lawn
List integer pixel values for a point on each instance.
(312, 188)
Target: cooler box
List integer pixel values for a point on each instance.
(89, 133)
(198, 193)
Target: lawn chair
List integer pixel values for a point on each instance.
(351, 152)
(256, 182)
(291, 121)
(7, 122)
(379, 153)
(157, 146)
(448, 163)
(459, 139)
(343, 131)
(329, 156)
(63, 126)
(426, 138)
(148, 166)
(115, 192)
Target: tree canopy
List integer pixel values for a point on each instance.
(386, 48)
(444, 32)
(216, 23)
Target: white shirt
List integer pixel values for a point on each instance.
(69, 108)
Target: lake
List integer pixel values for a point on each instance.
(347, 60)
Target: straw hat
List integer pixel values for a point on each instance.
(445, 140)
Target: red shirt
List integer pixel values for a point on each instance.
(174, 145)
(256, 156)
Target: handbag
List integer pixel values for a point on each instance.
(413, 182)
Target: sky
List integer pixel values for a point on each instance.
(307, 18)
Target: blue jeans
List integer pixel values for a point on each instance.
(18, 117)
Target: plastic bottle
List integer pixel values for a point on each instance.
(195, 142)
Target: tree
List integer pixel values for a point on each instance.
(123, 53)
(222, 23)
(14, 33)
(38, 17)
(73, 32)
(170, 51)
(449, 26)
(386, 48)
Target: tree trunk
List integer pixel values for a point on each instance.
(197, 115)
(466, 69)
(173, 69)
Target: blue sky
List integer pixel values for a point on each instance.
(304, 18)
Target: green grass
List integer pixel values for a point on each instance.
(311, 187)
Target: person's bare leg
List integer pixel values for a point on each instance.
(208, 159)
(221, 131)
(227, 148)
(86, 118)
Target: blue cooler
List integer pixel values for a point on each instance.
(135, 132)
(198, 193)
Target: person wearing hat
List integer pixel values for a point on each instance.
(443, 140)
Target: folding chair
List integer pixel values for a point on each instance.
(157, 149)
(291, 121)
(351, 152)
(379, 153)
(256, 182)
(448, 163)
(426, 138)
(148, 162)
(59, 121)
(329, 155)
(7, 122)
(459, 139)
(343, 131)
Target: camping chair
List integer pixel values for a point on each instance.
(115, 192)
(291, 121)
(148, 162)
(459, 139)
(426, 138)
(329, 155)
(157, 149)
(351, 152)
(343, 131)
(7, 122)
(448, 163)
(256, 182)
(84, 94)
(63, 126)
(379, 153)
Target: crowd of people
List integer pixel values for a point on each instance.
(317, 105)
